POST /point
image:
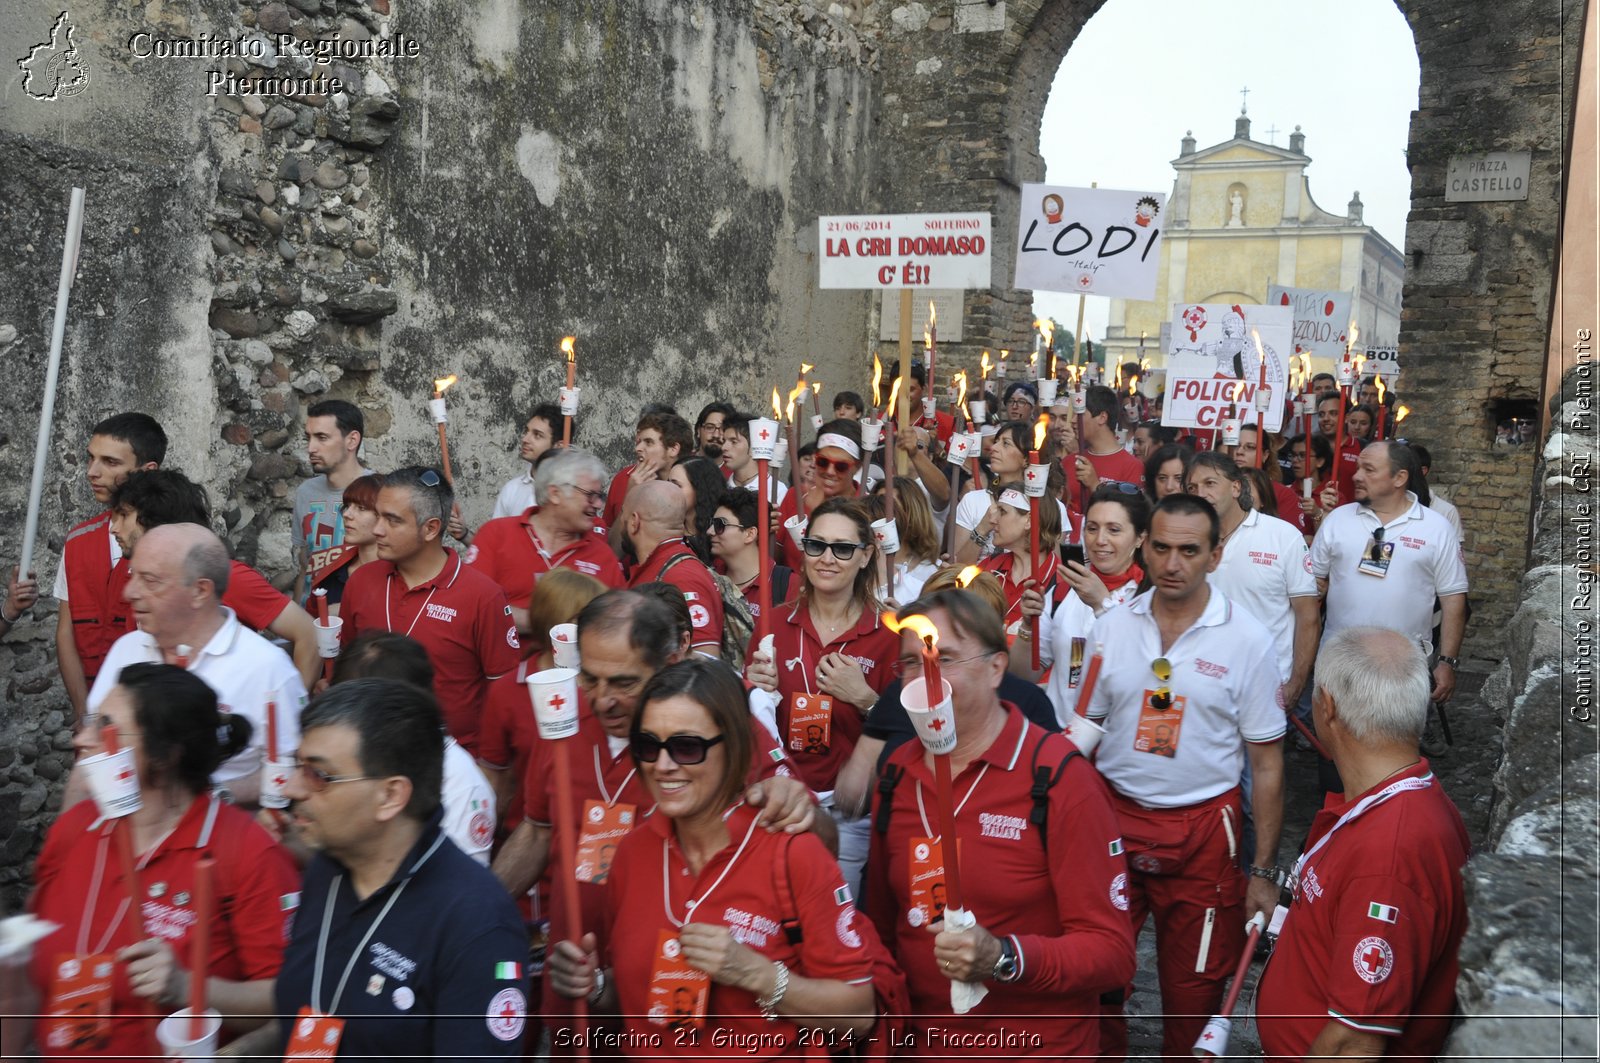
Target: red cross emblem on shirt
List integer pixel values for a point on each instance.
(509, 1010)
(1373, 958)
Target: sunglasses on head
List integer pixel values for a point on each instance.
(720, 525)
(843, 551)
(429, 478)
(1161, 700)
(829, 465)
(684, 750)
(1120, 486)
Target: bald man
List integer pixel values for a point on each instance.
(176, 580)
(652, 539)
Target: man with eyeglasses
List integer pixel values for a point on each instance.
(423, 589)
(708, 429)
(175, 586)
(1384, 558)
(652, 529)
(1042, 866)
(403, 947)
(1188, 691)
(624, 638)
(558, 531)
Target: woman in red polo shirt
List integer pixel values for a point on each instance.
(105, 977)
(722, 939)
(1012, 560)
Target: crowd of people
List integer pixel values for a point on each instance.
(755, 828)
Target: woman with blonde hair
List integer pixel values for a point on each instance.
(918, 556)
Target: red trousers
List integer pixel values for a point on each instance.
(1183, 868)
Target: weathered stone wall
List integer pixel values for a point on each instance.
(1528, 964)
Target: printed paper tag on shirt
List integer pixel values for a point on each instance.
(926, 857)
(315, 1036)
(810, 722)
(678, 992)
(1159, 728)
(1375, 560)
(604, 827)
(78, 1010)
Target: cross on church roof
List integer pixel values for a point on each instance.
(1272, 134)
(1244, 94)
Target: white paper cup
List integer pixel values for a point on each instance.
(173, 1034)
(1305, 487)
(796, 527)
(1084, 733)
(886, 533)
(871, 434)
(1034, 480)
(1213, 1040)
(113, 782)
(816, 422)
(1230, 431)
(1345, 375)
(780, 453)
(1308, 405)
(1047, 390)
(960, 449)
(1080, 400)
(328, 636)
(436, 407)
(569, 400)
(764, 436)
(554, 692)
(980, 411)
(1264, 398)
(930, 405)
(275, 775)
(564, 645)
(936, 724)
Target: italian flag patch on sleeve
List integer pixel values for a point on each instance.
(1384, 913)
(508, 970)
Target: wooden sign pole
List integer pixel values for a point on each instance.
(903, 463)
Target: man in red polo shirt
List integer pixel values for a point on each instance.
(556, 532)
(1349, 456)
(661, 440)
(652, 528)
(1100, 455)
(420, 588)
(91, 614)
(1366, 960)
(1049, 895)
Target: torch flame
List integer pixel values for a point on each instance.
(917, 624)
(1354, 332)
(443, 383)
(566, 347)
(927, 338)
(798, 393)
(1256, 335)
(805, 368)
(1381, 389)
(985, 366)
(1400, 413)
(1039, 429)
(1361, 361)
(965, 577)
(933, 316)
(1118, 385)
(1033, 363)
(1047, 329)
(961, 384)
(894, 397)
(1005, 352)
(816, 387)
(777, 410)
(877, 381)
(1133, 385)
(1144, 365)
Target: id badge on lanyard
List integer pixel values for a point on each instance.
(604, 827)
(810, 723)
(1159, 728)
(925, 881)
(77, 1013)
(678, 992)
(315, 1036)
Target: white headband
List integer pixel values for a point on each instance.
(1015, 499)
(839, 442)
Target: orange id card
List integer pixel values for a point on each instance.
(810, 722)
(604, 827)
(926, 857)
(78, 1010)
(315, 1037)
(1159, 728)
(678, 992)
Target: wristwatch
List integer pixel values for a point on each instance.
(1453, 662)
(1006, 968)
(1274, 874)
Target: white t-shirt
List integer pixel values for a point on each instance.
(469, 816)
(1263, 566)
(1446, 508)
(1425, 563)
(974, 505)
(244, 669)
(1224, 670)
(60, 590)
(516, 497)
(908, 582)
(777, 490)
(1066, 640)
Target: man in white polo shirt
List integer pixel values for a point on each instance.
(1382, 560)
(175, 585)
(1188, 692)
(1263, 568)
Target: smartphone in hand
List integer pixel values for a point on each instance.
(1073, 553)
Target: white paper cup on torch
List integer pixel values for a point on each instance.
(930, 406)
(1080, 401)
(1346, 374)
(780, 453)
(796, 527)
(1305, 487)
(1213, 1040)
(816, 422)
(569, 401)
(436, 407)
(1047, 387)
(960, 448)
(1034, 480)
(887, 535)
(113, 782)
(564, 645)
(328, 636)
(980, 411)
(935, 724)
(1308, 405)
(554, 692)
(764, 438)
(871, 435)
(1264, 397)
(1230, 431)
(1084, 732)
(175, 1035)
(274, 778)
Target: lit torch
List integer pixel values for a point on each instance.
(1035, 478)
(1382, 391)
(440, 419)
(569, 397)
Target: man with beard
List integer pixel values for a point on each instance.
(334, 430)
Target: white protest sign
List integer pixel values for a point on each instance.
(905, 251)
(1384, 361)
(1213, 363)
(1094, 241)
(1321, 319)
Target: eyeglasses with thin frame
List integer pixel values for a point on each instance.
(721, 524)
(829, 465)
(685, 750)
(317, 780)
(905, 666)
(593, 498)
(843, 551)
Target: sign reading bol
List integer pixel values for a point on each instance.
(1214, 363)
(1384, 361)
(1094, 241)
(905, 251)
(1321, 319)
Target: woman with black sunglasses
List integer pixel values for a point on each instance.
(717, 932)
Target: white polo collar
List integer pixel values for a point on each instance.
(1218, 609)
(220, 645)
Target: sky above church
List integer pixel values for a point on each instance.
(1142, 72)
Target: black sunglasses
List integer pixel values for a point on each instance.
(843, 551)
(684, 750)
(720, 525)
(429, 478)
